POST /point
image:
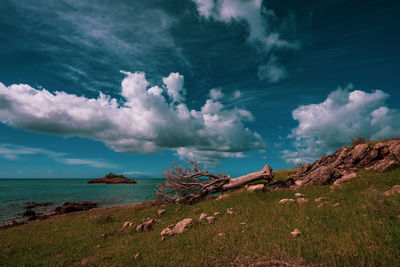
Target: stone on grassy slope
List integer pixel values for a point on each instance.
(286, 201)
(127, 225)
(299, 195)
(222, 196)
(320, 199)
(257, 187)
(345, 178)
(296, 232)
(394, 190)
(160, 212)
(203, 216)
(146, 226)
(210, 219)
(229, 211)
(168, 230)
(179, 228)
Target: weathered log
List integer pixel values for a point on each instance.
(186, 185)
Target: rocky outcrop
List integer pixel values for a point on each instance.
(112, 178)
(340, 166)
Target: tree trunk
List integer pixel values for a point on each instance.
(265, 173)
(183, 185)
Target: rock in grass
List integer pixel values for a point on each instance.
(146, 226)
(286, 201)
(257, 187)
(217, 213)
(321, 199)
(299, 195)
(160, 212)
(210, 219)
(203, 216)
(183, 226)
(394, 190)
(127, 225)
(301, 200)
(179, 228)
(168, 230)
(337, 204)
(222, 196)
(296, 232)
(137, 256)
(229, 211)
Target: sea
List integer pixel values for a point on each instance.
(15, 192)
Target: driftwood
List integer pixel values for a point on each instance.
(188, 184)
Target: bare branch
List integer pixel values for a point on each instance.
(190, 184)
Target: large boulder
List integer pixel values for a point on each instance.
(179, 228)
(182, 226)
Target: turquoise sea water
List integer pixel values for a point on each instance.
(15, 192)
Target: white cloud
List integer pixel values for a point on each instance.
(146, 123)
(327, 126)
(88, 162)
(216, 94)
(236, 94)
(272, 71)
(174, 85)
(15, 152)
(204, 7)
(261, 32)
(136, 173)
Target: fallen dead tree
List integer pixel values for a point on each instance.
(188, 184)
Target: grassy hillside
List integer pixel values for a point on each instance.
(363, 230)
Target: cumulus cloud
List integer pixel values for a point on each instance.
(174, 85)
(327, 126)
(149, 120)
(261, 32)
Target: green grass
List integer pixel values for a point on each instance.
(362, 231)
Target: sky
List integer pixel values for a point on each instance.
(91, 87)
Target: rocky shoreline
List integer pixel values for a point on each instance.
(33, 211)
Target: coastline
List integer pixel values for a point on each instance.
(144, 204)
(20, 194)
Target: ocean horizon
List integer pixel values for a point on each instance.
(14, 192)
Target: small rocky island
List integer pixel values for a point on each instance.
(112, 178)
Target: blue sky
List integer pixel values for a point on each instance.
(88, 87)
